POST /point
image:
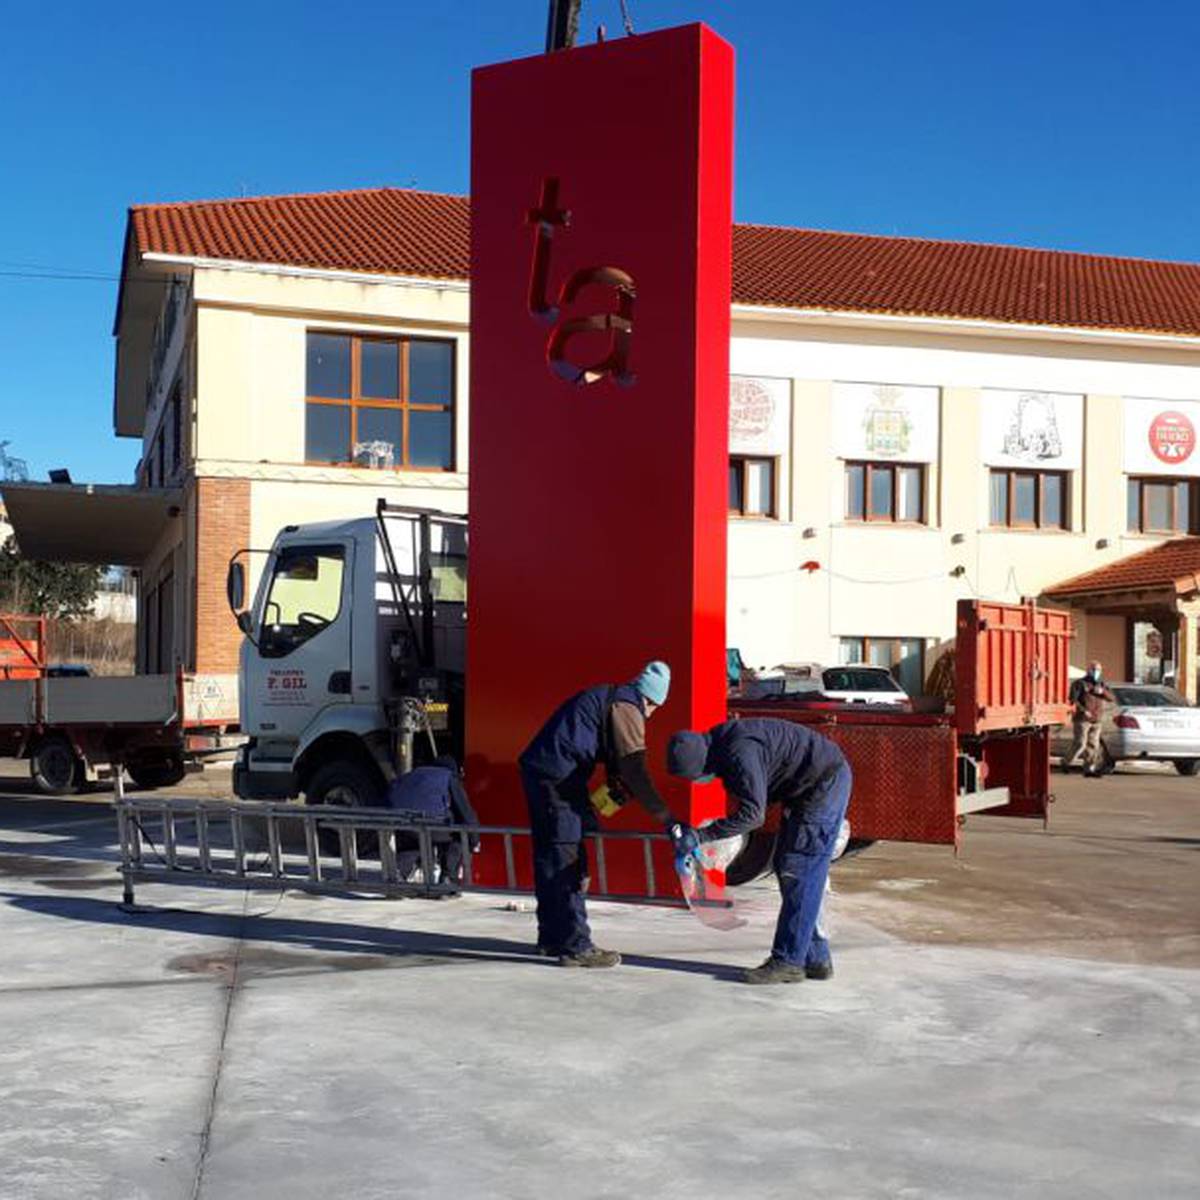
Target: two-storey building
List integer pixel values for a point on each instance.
(911, 422)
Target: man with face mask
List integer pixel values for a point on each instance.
(765, 761)
(1089, 696)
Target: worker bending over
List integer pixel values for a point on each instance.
(603, 724)
(435, 795)
(761, 762)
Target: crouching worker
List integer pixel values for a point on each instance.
(603, 724)
(761, 762)
(435, 794)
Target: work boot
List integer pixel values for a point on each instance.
(545, 951)
(818, 970)
(775, 970)
(593, 956)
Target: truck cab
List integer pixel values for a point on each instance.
(354, 654)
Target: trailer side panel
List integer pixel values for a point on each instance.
(905, 779)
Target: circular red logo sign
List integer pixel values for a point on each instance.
(1172, 437)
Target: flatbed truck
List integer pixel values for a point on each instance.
(77, 727)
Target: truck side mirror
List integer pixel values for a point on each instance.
(235, 590)
(245, 622)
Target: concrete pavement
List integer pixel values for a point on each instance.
(279, 1046)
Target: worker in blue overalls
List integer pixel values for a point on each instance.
(603, 724)
(434, 794)
(766, 761)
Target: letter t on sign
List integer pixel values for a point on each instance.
(545, 219)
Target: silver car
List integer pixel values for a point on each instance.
(1148, 721)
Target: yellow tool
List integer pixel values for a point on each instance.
(605, 801)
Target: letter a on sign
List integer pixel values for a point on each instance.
(600, 293)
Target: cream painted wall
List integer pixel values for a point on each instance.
(174, 365)
(226, 375)
(251, 380)
(251, 332)
(887, 581)
(250, 414)
(871, 580)
(278, 502)
(774, 606)
(431, 303)
(769, 599)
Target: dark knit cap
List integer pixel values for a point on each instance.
(687, 752)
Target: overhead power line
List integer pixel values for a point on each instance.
(43, 274)
(70, 276)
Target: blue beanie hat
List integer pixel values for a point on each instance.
(654, 682)
(687, 754)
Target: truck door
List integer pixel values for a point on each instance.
(304, 641)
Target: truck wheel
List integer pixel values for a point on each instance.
(157, 772)
(55, 768)
(347, 783)
(1187, 766)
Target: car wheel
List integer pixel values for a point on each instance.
(54, 766)
(1187, 766)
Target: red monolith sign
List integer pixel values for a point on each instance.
(600, 293)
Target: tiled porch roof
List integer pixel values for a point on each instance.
(1174, 565)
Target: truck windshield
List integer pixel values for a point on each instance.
(448, 561)
(449, 578)
(305, 597)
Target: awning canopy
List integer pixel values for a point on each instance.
(109, 524)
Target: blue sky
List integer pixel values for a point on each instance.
(1063, 123)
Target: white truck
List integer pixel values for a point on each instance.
(354, 654)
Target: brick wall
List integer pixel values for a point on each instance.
(222, 528)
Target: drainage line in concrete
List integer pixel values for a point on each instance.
(206, 1131)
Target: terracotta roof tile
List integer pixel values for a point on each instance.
(801, 268)
(400, 232)
(388, 231)
(1174, 564)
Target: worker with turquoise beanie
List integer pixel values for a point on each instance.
(605, 724)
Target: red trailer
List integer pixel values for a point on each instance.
(918, 775)
(22, 646)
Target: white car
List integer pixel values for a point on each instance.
(1148, 722)
(861, 683)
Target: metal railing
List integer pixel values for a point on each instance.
(332, 850)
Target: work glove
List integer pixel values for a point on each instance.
(685, 840)
(608, 798)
